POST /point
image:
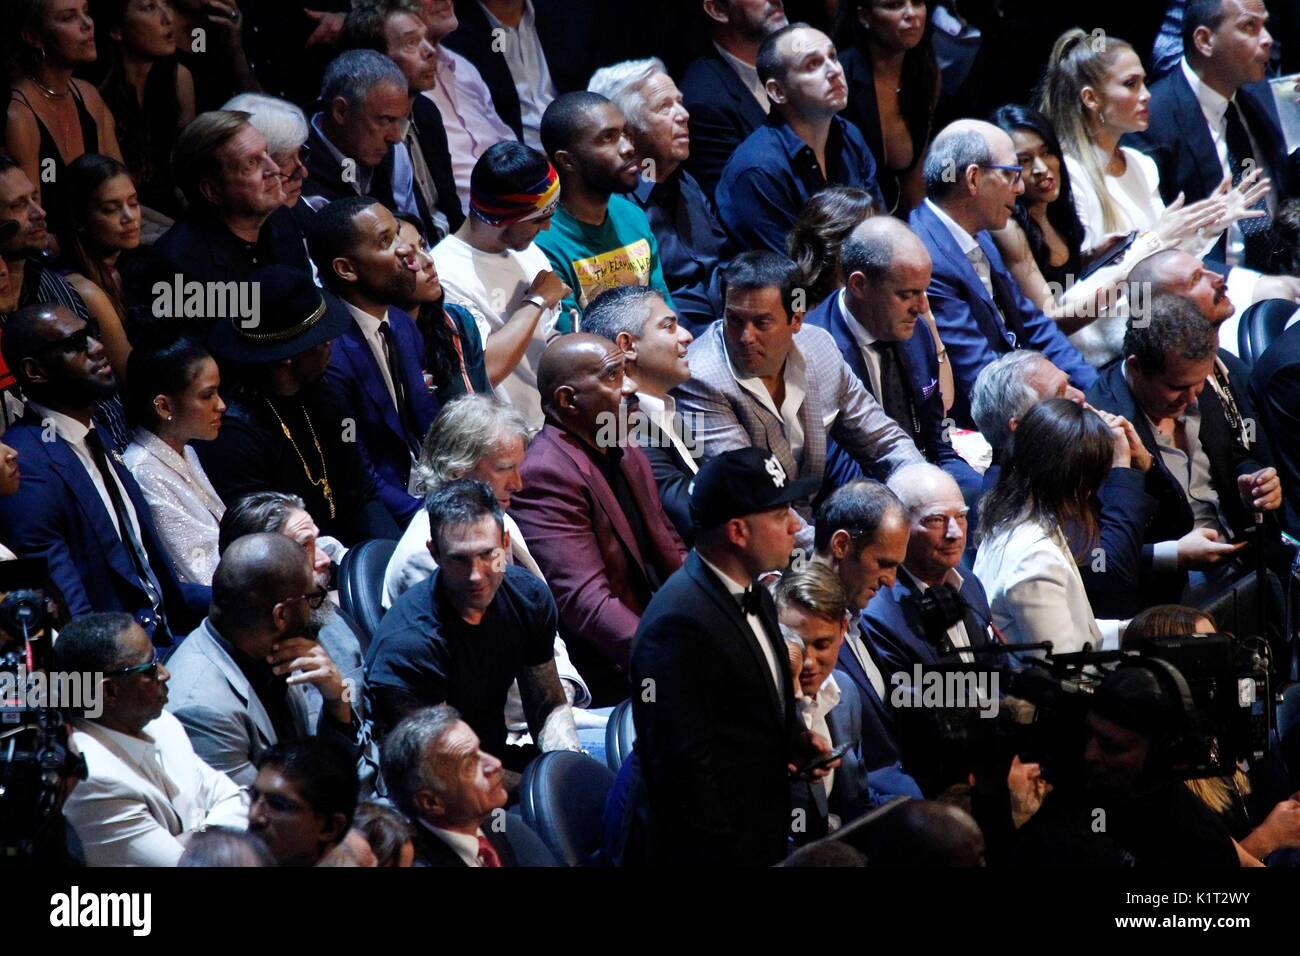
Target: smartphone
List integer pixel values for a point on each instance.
(823, 759)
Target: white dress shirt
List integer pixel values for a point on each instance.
(74, 433)
(813, 711)
(865, 340)
(143, 793)
(369, 326)
(468, 114)
(853, 637)
(780, 669)
(969, 246)
(663, 413)
(748, 74)
(794, 375)
(186, 509)
(522, 49)
(464, 845)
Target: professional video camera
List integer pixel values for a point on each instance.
(36, 765)
(1221, 687)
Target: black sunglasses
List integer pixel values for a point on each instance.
(314, 599)
(149, 668)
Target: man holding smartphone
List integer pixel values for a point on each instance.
(717, 731)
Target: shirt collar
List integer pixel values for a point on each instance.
(65, 426)
(1213, 103)
(333, 150)
(464, 845)
(733, 586)
(160, 450)
(953, 579)
(645, 187)
(656, 408)
(858, 330)
(965, 241)
(368, 323)
(794, 372)
(137, 748)
(525, 22)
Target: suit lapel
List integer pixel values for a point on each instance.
(1195, 133)
(601, 491)
(215, 653)
(358, 352)
(718, 594)
(966, 273)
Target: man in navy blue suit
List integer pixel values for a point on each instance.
(375, 366)
(78, 507)
(874, 320)
(861, 534)
(721, 89)
(905, 627)
(1213, 116)
(972, 180)
(803, 148)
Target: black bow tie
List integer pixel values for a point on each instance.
(749, 600)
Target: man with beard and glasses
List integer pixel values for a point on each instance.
(239, 681)
(598, 239)
(801, 149)
(76, 507)
(375, 371)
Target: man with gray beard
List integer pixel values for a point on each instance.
(239, 681)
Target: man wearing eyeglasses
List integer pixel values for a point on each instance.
(239, 681)
(146, 791)
(78, 506)
(356, 141)
(971, 184)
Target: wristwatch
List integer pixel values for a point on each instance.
(536, 300)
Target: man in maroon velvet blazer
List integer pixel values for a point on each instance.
(590, 511)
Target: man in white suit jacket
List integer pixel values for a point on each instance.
(147, 790)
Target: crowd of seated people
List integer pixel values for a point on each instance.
(399, 394)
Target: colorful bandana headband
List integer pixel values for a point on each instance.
(537, 201)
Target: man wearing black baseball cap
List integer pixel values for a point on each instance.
(713, 698)
(282, 431)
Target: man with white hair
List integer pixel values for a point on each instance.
(932, 609)
(284, 127)
(692, 244)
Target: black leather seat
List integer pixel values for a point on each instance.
(620, 735)
(562, 797)
(1288, 730)
(361, 584)
(1260, 324)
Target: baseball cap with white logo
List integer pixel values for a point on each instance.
(743, 482)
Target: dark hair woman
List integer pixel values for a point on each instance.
(1045, 498)
(893, 78)
(815, 239)
(172, 397)
(52, 118)
(105, 221)
(150, 93)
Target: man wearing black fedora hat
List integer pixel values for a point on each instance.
(282, 431)
(713, 698)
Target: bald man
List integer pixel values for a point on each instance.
(900, 631)
(972, 180)
(802, 148)
(878, 322)
(239, 682)
(591, 511)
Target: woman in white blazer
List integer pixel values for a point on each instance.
(1060, 455)
(1095, 93)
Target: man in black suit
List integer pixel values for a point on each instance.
(454, 794)
(356, 139)
(722, 90)
(77, 506)
(500, 37)
(878, 322)
(713, 704)
(1213, 116)
(1275, 383)
(1203, 474)
(639, 321)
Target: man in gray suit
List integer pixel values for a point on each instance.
(239, 680)
(761, 377)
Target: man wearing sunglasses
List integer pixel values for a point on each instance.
(356, 141)
(239, 681)
(971, 184)
(146, 791)
(78, 507)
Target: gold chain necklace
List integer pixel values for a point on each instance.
(48, 93)
(324, 481)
